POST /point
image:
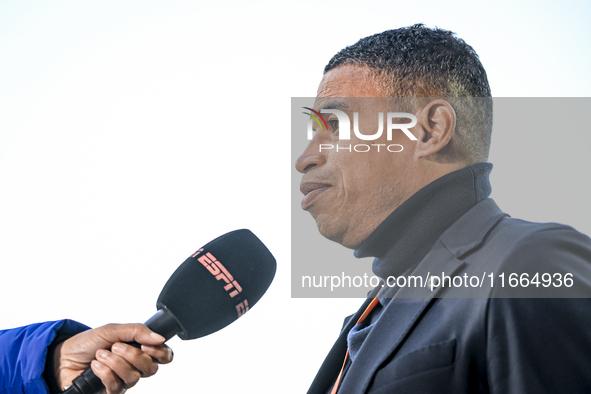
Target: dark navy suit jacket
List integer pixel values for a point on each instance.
(491, 339)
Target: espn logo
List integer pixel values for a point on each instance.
(221, 273)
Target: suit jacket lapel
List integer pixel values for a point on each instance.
(397, 321)
(410, 303)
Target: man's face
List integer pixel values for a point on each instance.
(350, 193)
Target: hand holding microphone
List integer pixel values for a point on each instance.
(121, 366)
(215, 286)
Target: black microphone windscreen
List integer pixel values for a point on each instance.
(218, 283)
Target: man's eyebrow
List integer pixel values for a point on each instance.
(333, 104)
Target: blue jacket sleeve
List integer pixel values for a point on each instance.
(23, 351)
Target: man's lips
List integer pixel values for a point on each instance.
(311, 191)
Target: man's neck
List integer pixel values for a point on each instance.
(403, 239)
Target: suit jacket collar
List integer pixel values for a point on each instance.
(470, 231)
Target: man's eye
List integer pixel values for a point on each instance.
(334, 124)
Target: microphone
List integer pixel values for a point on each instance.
(215, 286)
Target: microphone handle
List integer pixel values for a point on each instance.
(162, 322)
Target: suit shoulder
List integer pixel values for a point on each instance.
(535, 251)
(523, 236)
(514, 226)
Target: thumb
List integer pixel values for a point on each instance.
(129, 333)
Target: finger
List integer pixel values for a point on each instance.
(112, 383)
(162, 353)
(129, 333)
(126, 372)
(140, 360)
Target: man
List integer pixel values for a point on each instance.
(425, 209)
(46, 357)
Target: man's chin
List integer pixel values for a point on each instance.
(332, 233)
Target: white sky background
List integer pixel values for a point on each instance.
(133, 132)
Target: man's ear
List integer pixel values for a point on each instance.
(436, 123)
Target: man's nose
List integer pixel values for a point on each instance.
(311, 158)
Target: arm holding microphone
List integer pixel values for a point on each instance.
(45, 357)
